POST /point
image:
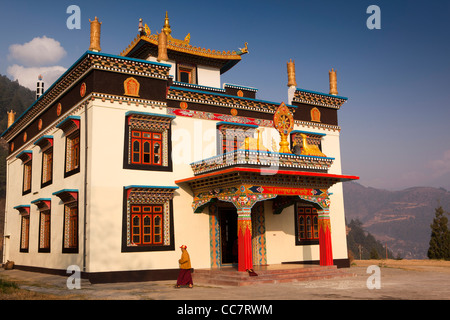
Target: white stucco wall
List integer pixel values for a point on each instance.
(106, 189)
(54, 259)
(192, 140)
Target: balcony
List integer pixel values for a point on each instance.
(266, 159)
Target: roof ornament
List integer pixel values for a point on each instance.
(162, 47)
(166, 27)
(147, 30)
(141, 27)
(95, 35)
(292, 82)
(244, 50)
(333, 82)
(167, 30)
(283, 121)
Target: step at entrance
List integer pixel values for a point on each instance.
(268, 274)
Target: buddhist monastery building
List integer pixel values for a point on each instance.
(127, 157)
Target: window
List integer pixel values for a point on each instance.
(71, 128)
(146, 147)
(186, 73)
(72, 153)
(148, 219)
(46, 145)
(25, 233)
(47, 167)
(70, 219)
(70, 244)
(27, 177)
(307, 225)
(147, 225)
(44, 231)
(232, 135)
(147, 142)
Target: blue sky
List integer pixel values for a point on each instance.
(395, 130)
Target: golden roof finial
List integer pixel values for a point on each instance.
(333, 82)
(95, 35)
(166, 28)
(292, 82)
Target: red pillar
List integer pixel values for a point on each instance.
(245, 239)
(326, 252)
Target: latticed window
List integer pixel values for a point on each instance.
(27, 177)
(47, 166)
(73, 152)
(25, 233)
(307, 225)
(44, 232)
(71, 128)
(71, 219)
(71, 226)
(147, 225)
(148, 219)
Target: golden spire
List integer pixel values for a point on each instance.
(95, 35)
(333, 82)
(291, 74)
(166, 28)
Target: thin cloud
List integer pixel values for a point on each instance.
(28, 77)
(441, 165)
(38, 52)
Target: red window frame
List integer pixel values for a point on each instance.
(147, 225)
(151, 155)
(308, 223)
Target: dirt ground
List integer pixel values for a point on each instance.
(397, 280)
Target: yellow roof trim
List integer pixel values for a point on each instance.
(185, 47)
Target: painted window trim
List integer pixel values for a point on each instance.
(66, 224)
(70, 136)
(165, 147)
(69, 197)
(24, 249)
(46, 232)
(191, 69)
(45, 161)
(165, 202)
(28, 163)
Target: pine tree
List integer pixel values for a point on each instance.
(440, 237)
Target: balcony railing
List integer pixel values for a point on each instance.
(273, 160)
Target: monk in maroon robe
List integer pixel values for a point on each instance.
(184, 277)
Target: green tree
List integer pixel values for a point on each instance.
(440, 236)
(374, 254)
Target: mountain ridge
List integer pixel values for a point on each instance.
(400, 219)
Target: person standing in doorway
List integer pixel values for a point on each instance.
(184, 277)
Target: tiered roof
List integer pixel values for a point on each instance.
(146, 43)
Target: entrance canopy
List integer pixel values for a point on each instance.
(250, 182)
(244, 186)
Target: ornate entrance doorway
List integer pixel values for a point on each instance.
(228, 235)
(223, 227)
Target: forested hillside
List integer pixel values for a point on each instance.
(400, 219)
(17, 98)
